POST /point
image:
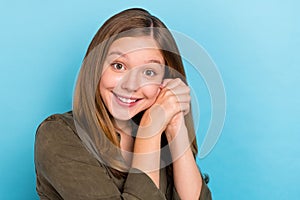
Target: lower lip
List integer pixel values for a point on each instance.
(125, 104)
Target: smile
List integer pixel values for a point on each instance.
(127, 100)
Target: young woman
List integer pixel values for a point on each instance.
(130, 134)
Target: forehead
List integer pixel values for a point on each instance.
(127, 45)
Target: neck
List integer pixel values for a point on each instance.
(123, 126)
(126, 143)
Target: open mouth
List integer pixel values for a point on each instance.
(127, 100)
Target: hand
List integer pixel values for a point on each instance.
(174, 96)
(173, 99)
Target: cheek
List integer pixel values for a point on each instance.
(108, 80)
(151, 92)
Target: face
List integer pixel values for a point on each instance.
(131, 76)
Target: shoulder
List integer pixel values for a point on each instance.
(56, 127)
(63, 166)
(57, 140)
(60, 120)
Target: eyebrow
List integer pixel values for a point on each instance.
(120, 54)
(154, 61)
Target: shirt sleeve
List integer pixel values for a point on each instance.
(65, 170)
(205, 192)
(204, 195)
(140, 185)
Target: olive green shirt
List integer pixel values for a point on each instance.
(66, 170)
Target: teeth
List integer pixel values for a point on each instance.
(124, 100)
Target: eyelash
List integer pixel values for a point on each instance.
(114, 66)
(152, 71)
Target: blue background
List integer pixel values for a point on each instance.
(255, 45)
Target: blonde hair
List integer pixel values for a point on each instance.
(93, 121)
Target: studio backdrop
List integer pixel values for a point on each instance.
(253, 47)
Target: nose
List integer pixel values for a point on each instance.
(131, 81)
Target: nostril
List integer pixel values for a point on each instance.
(130, 84)
(130, 81)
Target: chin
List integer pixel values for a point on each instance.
(122, 116)
(126, 117)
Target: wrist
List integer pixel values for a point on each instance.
(173, 131)
(152, 123)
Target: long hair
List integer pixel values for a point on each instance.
(93, 121)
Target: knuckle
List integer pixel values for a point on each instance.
(188, 89)
(189, 97)
(177, 80)
(169, 92)
(172, 100)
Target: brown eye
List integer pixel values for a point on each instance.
(118, 66)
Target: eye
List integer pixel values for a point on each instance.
(149, 72)
(118, 66)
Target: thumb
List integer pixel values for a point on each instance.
(165, 82)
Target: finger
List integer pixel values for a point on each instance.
(183, 98)
(165, 82)
(185, 108)
(158, 91)
(171, 83)
(179, 90)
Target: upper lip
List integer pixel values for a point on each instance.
(126, 97)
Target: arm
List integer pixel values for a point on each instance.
(66, 170)
(173, 100)
(153, 123)
(185, 170)
(147, 145)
